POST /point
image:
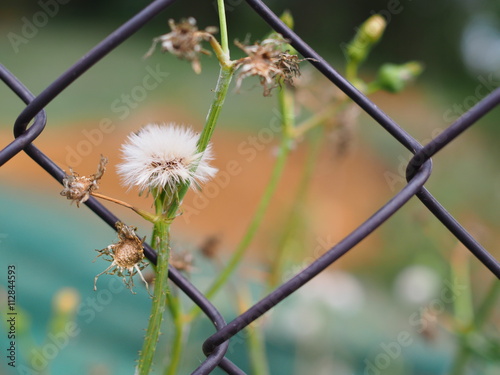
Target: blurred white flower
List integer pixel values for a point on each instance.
(340, 290)
(308, 315)
(163, 156)
(417, 284)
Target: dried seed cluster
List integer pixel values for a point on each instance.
(126, 256)
(268, 61)
(78, 188)
(184, 41)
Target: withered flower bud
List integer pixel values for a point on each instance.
(268, 61)
(126, 256)
(184, 41)
(78, 188)
(182, 261)
(210, 247)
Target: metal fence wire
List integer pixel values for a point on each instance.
(418, 171)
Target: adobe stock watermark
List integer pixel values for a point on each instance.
(40, 358)
(86, 311)
(323, 244)
(122, 107)
(418, 322)
(397, 180)
(32, 25)
(248, 151)
(485, 86)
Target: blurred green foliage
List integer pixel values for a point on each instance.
(435, 34)
(416, 30)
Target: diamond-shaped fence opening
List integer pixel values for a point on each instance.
(32, 120)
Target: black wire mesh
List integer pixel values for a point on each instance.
(418, 171)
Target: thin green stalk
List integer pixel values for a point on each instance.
(223, 82)
(483, 313)
(254, 337)
(256, 220)
(461, 359)
(286, 105)
(161, 235)
(316, 120)
(223, 27)
(225, 75)
(174, 305)
(257, 351)
(296, 211)
(351, 70)
(462, 304)
(372, 87)
(160, 242)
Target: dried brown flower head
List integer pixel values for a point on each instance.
(210, 246)
(126, 256)
(182, 261)
(268, 61)
(289, 65)
(184, 41)
(78, 188)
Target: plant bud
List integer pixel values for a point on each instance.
(394, 78)
(287, 19)
(367, 36)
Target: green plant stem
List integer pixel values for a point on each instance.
(225, 75)
(160, 242)
(372, 87)
(257, 351)
(483, 313)
(174, 305)
(485, 309)
(286, 104)
(256, 220)
(253, 334)
(351, 70)
(223, 27)
(296, 210)
(161, 233)
(314, 121)
(144, 214)
(462, 304)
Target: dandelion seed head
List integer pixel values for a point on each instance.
(163, 156)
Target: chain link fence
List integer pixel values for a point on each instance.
(418, 171)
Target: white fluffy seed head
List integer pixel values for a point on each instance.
(162, 156)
